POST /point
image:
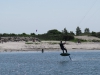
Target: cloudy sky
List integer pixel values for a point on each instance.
(19, 16)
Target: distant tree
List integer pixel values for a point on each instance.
(68, 37)
(24, 34)
(71, 32)
(5, 34)
(65, 31)
(98, 34)
(53, 32)
(86, 31)
(0, 34)
(93, 33)
(32, 34)
(12, 34)
(78, 31)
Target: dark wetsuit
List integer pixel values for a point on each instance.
(62, 47)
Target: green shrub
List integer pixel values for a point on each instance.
(29, 43)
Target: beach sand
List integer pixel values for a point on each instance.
(47, 45)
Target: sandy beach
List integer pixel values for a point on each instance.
(47, 45)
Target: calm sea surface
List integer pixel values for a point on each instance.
(86, 62)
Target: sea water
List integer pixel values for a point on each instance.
(86, 62)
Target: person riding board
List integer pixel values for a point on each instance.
(62, 46)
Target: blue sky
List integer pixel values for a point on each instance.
(19, 16)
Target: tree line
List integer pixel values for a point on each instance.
(54, 34)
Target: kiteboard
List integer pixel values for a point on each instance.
(64, 54)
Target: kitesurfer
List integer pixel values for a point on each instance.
(62, 46)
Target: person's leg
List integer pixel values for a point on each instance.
(65, 50)
(62, 49)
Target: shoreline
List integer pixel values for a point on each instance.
(47, 46)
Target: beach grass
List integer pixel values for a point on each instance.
(28, 42)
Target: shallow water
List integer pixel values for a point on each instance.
(85, 62)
